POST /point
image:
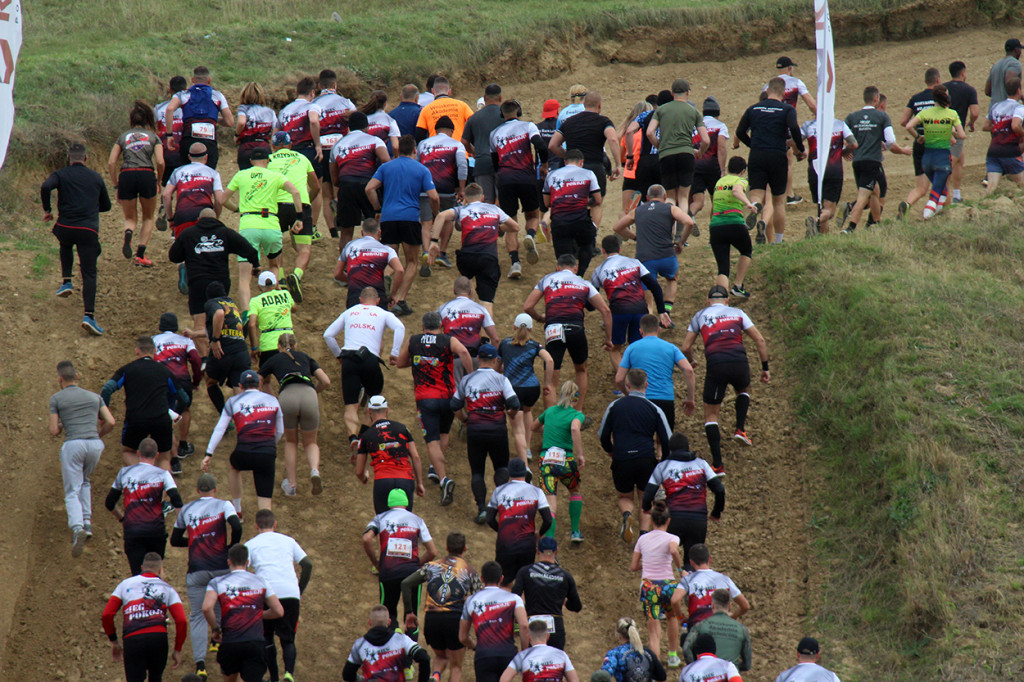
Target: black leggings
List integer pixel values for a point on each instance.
(382, 487)
(690, 531)
(479, 446)
(136, 549)
(88, 244)
(489, 669)
(723, 238)
(145, 654)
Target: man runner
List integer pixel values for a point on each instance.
(445, 157)
(732, 638)
(553, 663)
(658, 359)
(364, 261)
(707, 170)
(198, 187)
(443, 104)
(1003, 71)
(672, 130)
(202, 108)
(570, 191)
(229, 353)
(179, 354)
(333, 111)
(708, 666)
(964, 99)
(301, 120)
(270, 315)
(807, 669)
(512, 513)
(795, 90)
(477, 137)
(299, 171)
(1005, 121)
(730, 228)
(841, 144)
(493, 614)
(407, 111)
(918, 103)
(697, 587)
(546, 588)
(464, 319)
(172, 159)
(381, 653)
(387, 446)
(353, 160)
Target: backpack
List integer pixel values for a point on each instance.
(636, 666)
(200, 104)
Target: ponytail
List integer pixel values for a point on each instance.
(628, 629)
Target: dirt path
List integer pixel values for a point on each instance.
(52, 623)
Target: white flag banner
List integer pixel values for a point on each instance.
(10, 46)
(826, 86)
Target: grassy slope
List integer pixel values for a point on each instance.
(907, 340)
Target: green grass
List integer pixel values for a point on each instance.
(906, 343)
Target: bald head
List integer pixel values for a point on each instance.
(463, 286)
(207, 213)
(592, 102)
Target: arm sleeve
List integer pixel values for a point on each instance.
(716, 487)
(348, 673)
(794, 129)
(176, 254)
(236, 529)
(606, 430)
(395, 324)
(219, 430)
(746, 656)
(113, 495)
(175, 497)
(649, 492)
(657, 669)
(545, 518)
(104, 198)
(178, 538)
(305, 572)
(540, 148)
(180, 625)
(197, 366)
(420, 655)
(461, 163)
(495, 159)
(663, 432)
(331, 332)
(652, 284)
(492, 517)
(49, 185)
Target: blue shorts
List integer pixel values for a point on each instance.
(1007, 165)
(663, 267)
(625, 326)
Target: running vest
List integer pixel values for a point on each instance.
(432, 358)
(200, 105)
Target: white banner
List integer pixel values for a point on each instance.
(826, 86)
(10, 46)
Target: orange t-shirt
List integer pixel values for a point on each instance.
(455, 109)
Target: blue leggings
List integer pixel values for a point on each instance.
(936, 164)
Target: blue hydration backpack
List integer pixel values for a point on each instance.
(200, 104)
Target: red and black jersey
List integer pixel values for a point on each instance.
(619, 276)
(294, 120)
(432, 366)
(445, 158)
(721, 329)
(206, 521)
(195, 184)
(542, 663)
(259, 125)
(366, 260)
(382, 662)
(242, 598)
(699, 586)
(511, 144)
(386, 445)
(718, 133)
(332, 107)
(143, 486)
(257, 418)
(840, 131)
(355, 156)
(484, 393)
(400, 533)
(463, 318)
(569, 189)
(686, 485)
(480, 224)
(517, 504)
(565, 297)
(177, 353)
(1005, 142)
(146, 602)
(492, 611)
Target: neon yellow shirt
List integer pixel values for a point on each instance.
(938, 123)
(257, 191)
(273, 312)
(727, 209)
(296, 168)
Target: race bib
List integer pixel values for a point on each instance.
(204, 131)
(554, 457)
(399, 548)
(549, 621)
(554, 332)
(328, 141)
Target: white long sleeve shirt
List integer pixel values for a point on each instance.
(363, 325)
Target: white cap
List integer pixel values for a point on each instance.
(480, 103)
(267, 278)
(377, 402)
(524, 320)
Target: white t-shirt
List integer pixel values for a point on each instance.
(273, 557)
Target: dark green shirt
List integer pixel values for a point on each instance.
(732, 639)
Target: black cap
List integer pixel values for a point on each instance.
(357, 121)
(718, 291)
(168, 322)
(784, 62)
(444, 122)
(1012, 44)
(249, 378)
(808, 646)
(215, 289)
(259, 154)
(517, 468)
(711, 107)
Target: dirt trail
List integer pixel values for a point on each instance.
(52, 625)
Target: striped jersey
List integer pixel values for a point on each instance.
(257, 418)
(177, 353)
(259, 124)
(366, 259)
(565, 297)
(686, 485)
(463, 318)
(385, 662)
(294, 120)
(511, 143)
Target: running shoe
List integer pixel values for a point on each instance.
(432, 475)
(810, 227)
(753, 216)
(673, 658)
(480, 518)
(718, 469)
(516, 271)
(958, 200)
(410, 673)
(447, 492)
(696, 230)
(739, 292)
(847, 209)
(175, 466)
(201, 673)
(542, 234)
(65, 290)
(762, 232)
(185, 449)
(182, 280)
(529, 455)
(795, 199)
(288, 488)
(742, 437)
(161, 219)
(928, 213)
(626, 531)
(401, 308)
(288, 678)
(353, 446)
(214, 648)
(142, 261)
(126, 248)
(530, 244)
(78, 543)
(435, 676)
(317, 235)
(576, 537)
(848, 230)
(294, 285)
(424, 267)
(901, 210)
(443, 261)
(89, 324)
(87, 529)
(316, 481)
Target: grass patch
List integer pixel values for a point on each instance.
(906, 345)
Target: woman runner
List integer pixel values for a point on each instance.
(941, 124)
(657, 553)
(380, 123)
(142, 162)
(631, 661)
(254, 123)
(561, 455)
(517, 354)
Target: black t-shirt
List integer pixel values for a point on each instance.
(585, 131)
(290, 367)
(232, 333)
(386, 445)
(545, 587)
(768, 125)
(148, 388)
(961, 97)
(918, 103)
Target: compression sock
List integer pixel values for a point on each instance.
(668, 306)
(956, 195)
(270, 658)
(531, 232)
(871, 220)
(742, 405)
(714, 442)
(237, 502)
(514, 256)
(575, 511)
(140, 251)
(216, 397)
(851, 226)
(551, 530)
(298, 272)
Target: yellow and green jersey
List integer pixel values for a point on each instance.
(938, 123)
(272, 311)
(726, 208)
(257, 197)
(295, 167)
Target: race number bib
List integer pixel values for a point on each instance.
(399, 548)
(554, 457)
(554, 332)
(328, 141)
(549, 621)
(203, 131)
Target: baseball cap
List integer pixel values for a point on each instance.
(249, 378)
(259, 154)
(197, 149)
(267, 278)
(281, 138)
(711, 107)
(168, 322)
(718, 291)
(517, 468)
(550, 108)
(546, 543)
(807, 646)
(680, 85)
(357, 121)
(1012, 44)
(398, 498)
(524, 320)
(206, 483)
(784, 62)
(444, 122)
(377, 402)
(479, 105)
(487, 351)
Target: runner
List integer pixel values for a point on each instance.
(795, 90)
(807, 654)
(631, 661)
(671, 129)
(301, 120)
(697, 587)
(540, 661)
(1004, 122)
(493, 614)
(380, 122)
(381, 653)
(841, 144)
(147, 602)
(657, 555)
(300, 408)
(464, 319)
(937, 125)
(730, 228)
(568, 192)
(178, 353)
(81, 197)
(517, 353)
(254, 123)
(512, 513)
(270, 316)
(918, 103)
(387, 446)
(732, 638)
(334, 112)
(450, 582)
(443, 104)
(629, 148)
(399, 533)
(562, 457)
(482, 400)
(196, 187)
(446, 159)
(432, 356)
(353, 161)
(708, 666)
(141, 164)
(590, 132)
(427, 96)
(646, 157)
(202, 108)
(144, 485)
(273, 556)
(244, 600)
(707, 170)
(546, 126)
(964, 99)
(658, 359)
(1003, 71)
(546, 587)
(85, 419)
(363, 326)
(576, 94)
(407, 111)
(476, 136)
(686, 480)
(172, 159)
(566, 295)
(229, 353)
(299, 171)
(259, 423)
(628, 430)
(364, 261)
(202, 526)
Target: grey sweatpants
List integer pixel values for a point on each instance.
(78, 459)
(198, 631)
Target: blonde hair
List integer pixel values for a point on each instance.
(521, 335)
(638, 108)
(286, 342)
(567, 393)
(628, 629)
(253, 93)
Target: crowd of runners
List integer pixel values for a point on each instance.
(408, 178)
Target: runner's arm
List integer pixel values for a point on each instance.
(741, 606)
(510, 225)
(240, 246)
(545, 518)
(47, 187)
(461, 171)
(115, 154)
(332, 331)
(371, 193)
(430, 554)
(239, 125)
(209, 603)
(795, 135)
(743, 128)
(492, 517)
(572, 600)
(809, 101)
(382, 154)
(549, 368)
(524, 627)
(172, 106)
(395, 325)
(530, 304)
(620, 378)
(988, 86)
(106, 420)
(677, 558)
(175, 498)
(746, 655)
(648, 499)
(605, 431)
(1016, 125)
(687, 346)
(542, 151)
(762, 351)
(275, 611)
(910, 126)
(737, 191)
(113, 495)
(611, 141)
(55, 425)
(218, 432)
(621, 226)
(417, 467)
(404, 357)
(410, 586)
(180, 625)
(635, 563)
(658, 673)
(314, 130)
(305, 573)
(296, 197)
(339, 269)
(716, 487)
(508, 674)
(459, 349)
(350, 671)
(226, 116)
(973, 114)
(555, 144)
(958, 132)
(705, 140)
(606, 313)
(178, 538)
(109, 611)
(723, 157)
(369, 536)
(236, 529)
(652, 131)
(464, 628)
(688, 378)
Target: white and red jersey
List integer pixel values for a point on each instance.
(146, 601)
(480, 224)
(807, 672)
(699, 587)
(840, 133)
(511, 143)
(364, 325)
(366, 259)
(517, 504)
(492, 611)
(294, 120)
(718, 133)
(143, 486)
(219, 100)
(710, 668)
(541, 663)
(569, 189)
(177, 353)
(485, 393)
(160, 111)
(463, 318)
(380, 124)
(259, 124)
(206, 521)
(195, 185)
(333, 123)
(384, 662)
(242, 597)
(721, 328)
(565, 297)
(795, 89)
(685, 483)
(355, 156)
(258, 421)
(445, 158)
(619, 276)
(1005, 142)
(399, 533)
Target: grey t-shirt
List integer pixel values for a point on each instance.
(654, 231)
(79, 411)
(868, 126)
(997, 77)
(478, 133)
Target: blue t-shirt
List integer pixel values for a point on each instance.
(518, 362)
(403, 179)
(406, 114)
(658, 358)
